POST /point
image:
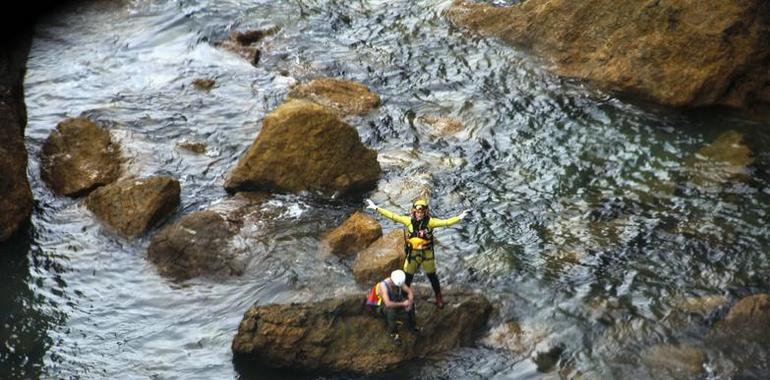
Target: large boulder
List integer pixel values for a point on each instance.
(355, 234)
(204, 243)
(345, 96)
(376, 262)
(79, 156)
(339, 335)
(306, 147)
(15, 194)
(679, 53)
(133, 206)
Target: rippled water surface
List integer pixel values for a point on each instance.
(587, 227)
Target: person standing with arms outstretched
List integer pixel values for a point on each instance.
(419, 245)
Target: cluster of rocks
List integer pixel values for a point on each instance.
(303, 146)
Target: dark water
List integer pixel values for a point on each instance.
(588, 229)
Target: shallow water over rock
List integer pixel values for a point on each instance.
(589, 229)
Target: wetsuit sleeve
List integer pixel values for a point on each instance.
(405, 220)
(436, 222)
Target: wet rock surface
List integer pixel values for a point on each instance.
(133, 206)
(355, 234)
(671, 52)
(376, 262)
(306, 147)
(340, 335)
(242, 43)
(79, 156)
(345, 96)
(202, 243)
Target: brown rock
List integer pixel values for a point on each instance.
(675, 53)
(346, 96)
(754, 308)
(379, 259)
(355, 234)
(79, 156)
(204, 84)
(201, 243)
(241, 43)
(305, 147)
(133, 206)
(249, 37)
(195, 245)
(337, 335)
(193, 146)
(15, 194)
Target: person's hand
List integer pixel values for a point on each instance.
(408, 305)
(370, 204)
(464, 214)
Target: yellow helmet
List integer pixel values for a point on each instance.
(420, 203)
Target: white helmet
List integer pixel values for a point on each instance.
(398, 277)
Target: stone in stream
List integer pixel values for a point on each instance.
(79, 156)
(675, 53)
(206, 243)
(347, 97)
(242, 43)
(340, 335)
(133, 206)
(355, 234)
(306, 147)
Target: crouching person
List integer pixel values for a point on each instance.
(392, 298)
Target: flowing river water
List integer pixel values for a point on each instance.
(588, 231)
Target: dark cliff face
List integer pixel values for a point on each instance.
(15, 194)
(16, 30)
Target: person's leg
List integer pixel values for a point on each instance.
(409, 278)
(411, 320)
(410, 268)
(429, 264)
(390, 316)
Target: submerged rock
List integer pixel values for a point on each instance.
(204, 84)
(355, 234)
(203, 243)
(133, 206)
(726, 159)
(678, 362)
(193, 146)
(742, 336)
(675, 53)
(306, 147)
(15, 193)
(440, 126)
(340, 335)
(379, 259)
(345, 96)
(79, 156)
(242, 42)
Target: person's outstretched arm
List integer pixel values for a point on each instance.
(436, 222)
(403, 219)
